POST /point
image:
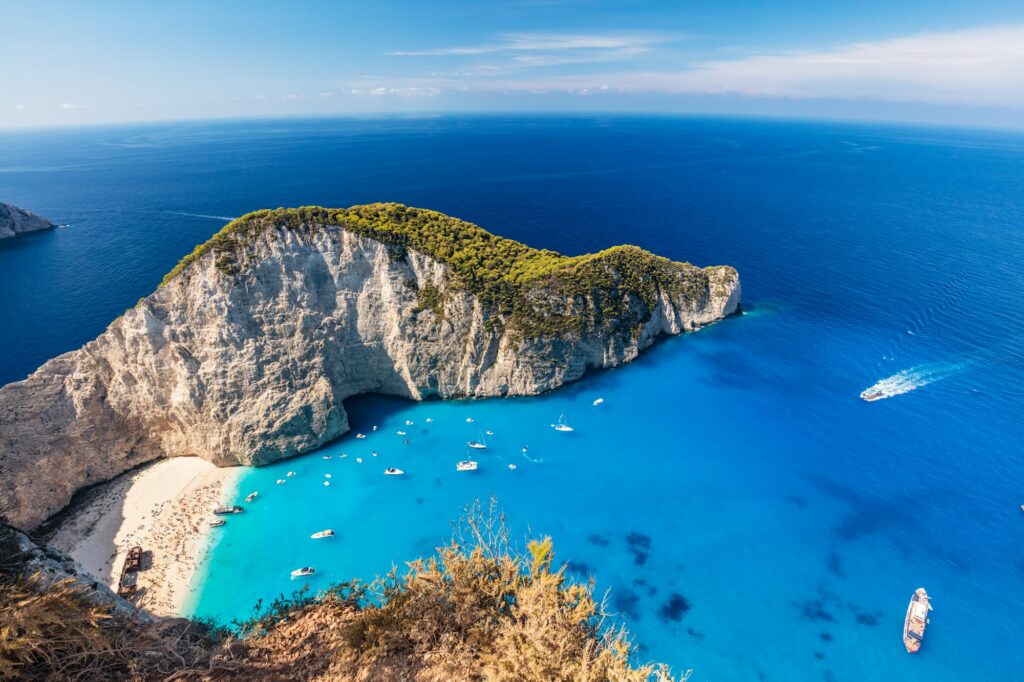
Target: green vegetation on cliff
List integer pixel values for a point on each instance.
(618, 286)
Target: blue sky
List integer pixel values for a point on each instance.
(66, 63)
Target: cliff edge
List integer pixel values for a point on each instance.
(247, 350)
(15, 221)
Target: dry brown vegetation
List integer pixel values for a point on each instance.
(478, 610)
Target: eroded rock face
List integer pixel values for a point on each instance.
(252, 366)
(15, 221)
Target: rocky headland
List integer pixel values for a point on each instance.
(247, 350)
(15, 221)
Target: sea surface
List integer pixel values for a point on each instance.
(750, 517)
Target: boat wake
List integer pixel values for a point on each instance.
(907, 380)
(203, 215)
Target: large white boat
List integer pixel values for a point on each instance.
(476, 445)
(322, 534)
(303, 572)
(392, 471)
(917, 620)
(221, 511)
(872, 394)
(466, 465)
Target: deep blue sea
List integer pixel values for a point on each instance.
(750, 516)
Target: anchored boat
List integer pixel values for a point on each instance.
(561, 425)
(221, 511)
(303, 572)
(466, 465)
(391, 471)
(917, 620)
(323, 534)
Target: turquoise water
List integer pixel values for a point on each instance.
(751, 517)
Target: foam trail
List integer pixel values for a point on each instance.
(203, 215)
(907, 380)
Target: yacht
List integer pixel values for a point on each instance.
(466, 465)
(871, 394)
(392, 471)
(251, 496)
(469, 420)
(917, 620)
(400, 433)
(290, 474)
(303, 572)
(561, 425)
(323, 534)
(222, 511)
(217, 522)
(280, 481)
(360, 436)
(408, 422)
(477, 446)
(598, 402)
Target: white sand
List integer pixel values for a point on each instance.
(164, 508)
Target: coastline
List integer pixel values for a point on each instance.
(163, 508)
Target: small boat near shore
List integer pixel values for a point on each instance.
(319, 535)
(392, 471)
(223, 511)
(251, 496)
(466, 465)
(217, 522)
(303, 572)
(917, 620)
(561, 425)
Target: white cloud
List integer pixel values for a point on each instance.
(19, 107)
(69, 105)
(982, 66)
(562, 48)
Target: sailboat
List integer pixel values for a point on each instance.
(561, 425)
(478, 445)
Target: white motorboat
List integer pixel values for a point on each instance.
(466, 465)
(360, 436)
(221, 511)
(323, 534)
(280, 481)
(430, 420)
(469, 420)
(374, 428)
(327, 482)
(359, 460)
(561, 425)
(490, 433)
(303, 572)
(217, 522)
(408, 422)
(327, 475)
(512, 466)
(290, 474)
(598, 402)
(400, 433)
(327, 456)
(392, 471)
(251, 496)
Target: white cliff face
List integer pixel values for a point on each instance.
(15, 221)
(251, 367)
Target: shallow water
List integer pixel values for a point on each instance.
(751, 516)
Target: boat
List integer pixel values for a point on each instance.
(375, 428)
(360, 436)
(400, 433)
(374, 453)
(327, 456)
(477, 446)
(221, 511)
(430, 420)
(598, 402)
(327, 482)
(561, 425)
(408, 422)
(917, 620)
(490, 433)
(217, 522)
(323, 534)
(469, 420)
(290, 474)
(466, 465)
(327, 475)
(251, 496)
(512, 466)
(280, 481)
(359, 460)
(303, 572)
(392, 471)
(871, 394)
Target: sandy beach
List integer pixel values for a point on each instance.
(163, 508)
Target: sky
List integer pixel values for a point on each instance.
(74, 63)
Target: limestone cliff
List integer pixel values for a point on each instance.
(246, 352)
(15, 221)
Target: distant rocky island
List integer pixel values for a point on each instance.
(247, 350)
(15, 221)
